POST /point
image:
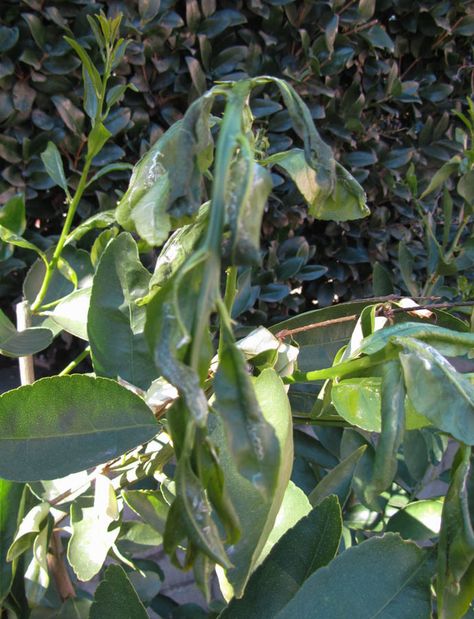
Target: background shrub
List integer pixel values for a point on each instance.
(381, 79)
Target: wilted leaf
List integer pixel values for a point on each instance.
(115, 323)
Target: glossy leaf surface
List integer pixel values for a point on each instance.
(398, 572)
(65, 424)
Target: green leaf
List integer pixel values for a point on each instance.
(442, 175)
(465, 26)
(72, 117)
(347, 201)
(295, 505)
(317, 153)
(93, 531)
(37, 574)
(378, 37)
(28, 529)
(97, 138)
(101, 242)
(170, 318)
(455, 581)
(172, 170)
(15, 343)
(54, 166)
(382, 577)
(7, 236)
(405, 261)
(117, 166)
(465, 187)
(311, 544)
(448, 341)
(179, 248)
(149, 505)
(250, 438)
(60, 286)
(256, 513)
(66, 424)
(103, 219)
(418, 521)
(12, 217)
(8, 38)
(71, 312)
(247, 201)
(391, 436)
(87, 63)
(366, 8)
(116, 323)
(11, 511)
(115, 597)
(357, 400)
(447, 397)
(381, 280)
(338, 480)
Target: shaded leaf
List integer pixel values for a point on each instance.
(54, 166)
(338, 480)
(398, 572)
(115, 597)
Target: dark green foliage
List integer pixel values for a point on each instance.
(380, 78)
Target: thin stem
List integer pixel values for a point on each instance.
(432, 281)
(229, 296)
(75, 362)
(74, 202)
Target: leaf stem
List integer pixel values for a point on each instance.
(75, 362)
(340, 369)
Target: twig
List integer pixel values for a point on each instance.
(58, 568)
(315, 325)
(281, 335)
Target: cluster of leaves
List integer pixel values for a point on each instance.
(380, 78)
